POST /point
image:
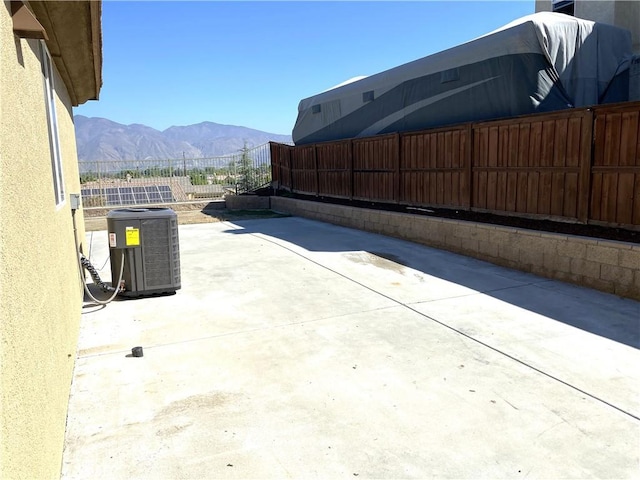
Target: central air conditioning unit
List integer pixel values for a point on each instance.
(146, 240)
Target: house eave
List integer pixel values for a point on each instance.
(74, 33)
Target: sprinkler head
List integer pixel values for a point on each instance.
(137, 352)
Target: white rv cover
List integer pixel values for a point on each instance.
(541, 62)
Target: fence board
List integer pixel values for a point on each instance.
(281, 164)
(557, 194)
(570, 202)
(559, 147)
(584, 166)
(276, 160)
(624, 198)
(596, 196)
(616, 166)
(546, 147)
(303, 170)
(571, 149)
(579, 164)
(511, 161)
(544, 193)
(397, 178)
(524, 132)
(533, 192)
(612, 140)
(629, 139)
(636, 202)
(334, 170)
(521, 171)
(374, 168)
(609, 189)
(433, 168)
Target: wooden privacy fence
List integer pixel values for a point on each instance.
(574, 165)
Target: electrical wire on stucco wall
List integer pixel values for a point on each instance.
(84, 263)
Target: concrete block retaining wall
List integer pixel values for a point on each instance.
(609, 266)
(246, 202)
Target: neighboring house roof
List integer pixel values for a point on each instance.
(204, 189)
(74, 34)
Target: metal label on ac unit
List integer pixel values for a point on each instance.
(132, 236)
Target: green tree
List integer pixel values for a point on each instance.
(247, 174)
(88, 177)
(197, 177)
(130, 174)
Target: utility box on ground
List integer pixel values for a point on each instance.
(146, 239)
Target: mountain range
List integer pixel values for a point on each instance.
(102, 139)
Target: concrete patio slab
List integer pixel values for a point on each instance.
(297, 349)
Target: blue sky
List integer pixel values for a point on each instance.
(250, 63)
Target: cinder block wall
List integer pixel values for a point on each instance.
(246, 202)
(604, 265)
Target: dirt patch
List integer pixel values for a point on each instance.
(189, 216)
(209, 216)
(177, 207)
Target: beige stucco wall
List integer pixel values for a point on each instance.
(40, 292)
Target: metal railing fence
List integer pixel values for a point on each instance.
(108, 183)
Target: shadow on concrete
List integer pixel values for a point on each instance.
(101, 295)
(242, 214)
(91, 307)
(580, 307)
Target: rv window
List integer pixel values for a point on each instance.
(563, 6)
(367, 96)
(316, 109)
(450, 75)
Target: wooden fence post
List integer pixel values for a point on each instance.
(315, 163)
(398, 178)
(351, 179)
(586, 161)
(470, 161)
(280, 166)
(274, 162)
(291, 168)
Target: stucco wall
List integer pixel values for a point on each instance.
(622, 13)
(40, 293)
